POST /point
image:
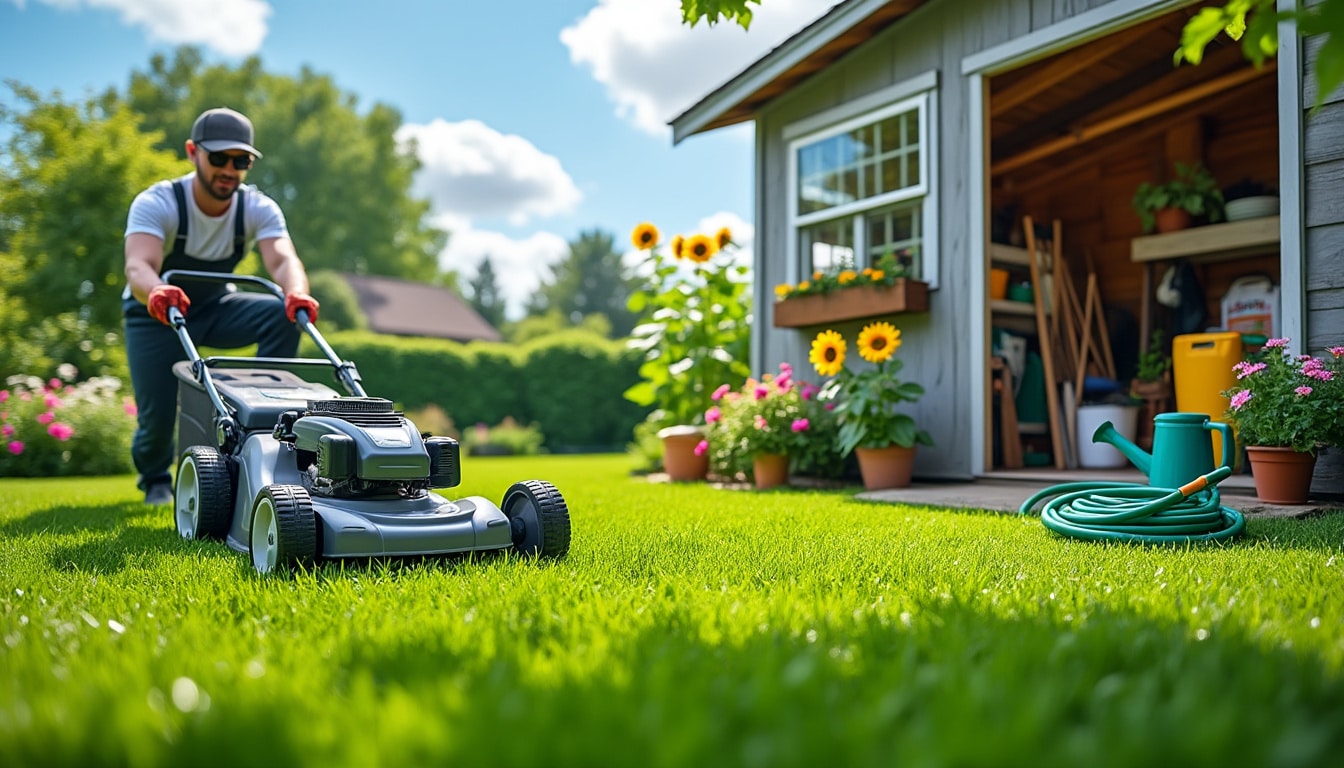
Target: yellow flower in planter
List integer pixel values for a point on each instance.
(783, 289)
(878, 341)
(828, 353)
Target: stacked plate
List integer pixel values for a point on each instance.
(1252, 208)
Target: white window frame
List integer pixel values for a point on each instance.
(920, 94)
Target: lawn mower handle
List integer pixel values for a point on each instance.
(345, 371)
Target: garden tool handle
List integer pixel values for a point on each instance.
(1229, 441)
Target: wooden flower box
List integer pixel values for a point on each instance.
(905, 295)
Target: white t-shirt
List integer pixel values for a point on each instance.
(209, 238)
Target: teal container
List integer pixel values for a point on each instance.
(1182, 450)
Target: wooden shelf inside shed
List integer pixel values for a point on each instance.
(1215, 242)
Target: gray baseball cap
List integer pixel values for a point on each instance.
(222, 128)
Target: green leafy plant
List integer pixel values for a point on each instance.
(508, 438)
(867, 403)
(694, 333)
(890, 267)
(1194, 190)
(1153, 362)
(1288, 402)
(54, 428)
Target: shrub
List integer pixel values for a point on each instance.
(508, 438)
(52, 428)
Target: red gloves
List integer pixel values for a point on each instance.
(296, 301)
(163, 296)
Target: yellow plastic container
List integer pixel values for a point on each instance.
(1201, 366)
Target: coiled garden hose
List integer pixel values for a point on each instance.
(1102, 511)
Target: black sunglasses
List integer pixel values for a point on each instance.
(219, 160)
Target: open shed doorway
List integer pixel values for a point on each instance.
(1071, 138)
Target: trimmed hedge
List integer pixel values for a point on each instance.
(568, 384)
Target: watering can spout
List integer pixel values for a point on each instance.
(1106, 433)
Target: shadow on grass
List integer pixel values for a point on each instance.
(100, 538)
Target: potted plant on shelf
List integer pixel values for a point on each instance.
(1284, 409)
(760, 427)
(1169, 206)
(867, 404)
(694, 334)
(844, 293)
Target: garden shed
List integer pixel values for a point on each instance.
(936, 127)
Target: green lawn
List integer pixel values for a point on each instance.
(689, 626)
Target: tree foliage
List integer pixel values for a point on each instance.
(340, 176)
(1256, 24)
(712, 11)
(486, 297)
(72, 170)
(589, 280)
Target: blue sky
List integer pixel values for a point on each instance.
(537, 119)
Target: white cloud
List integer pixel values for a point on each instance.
(230, 27)
(472, 170)
(654, 67)
(519, 264)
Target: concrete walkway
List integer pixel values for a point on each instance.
(1006, 490)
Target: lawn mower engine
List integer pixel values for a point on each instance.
(359, 447)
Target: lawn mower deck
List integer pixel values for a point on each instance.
(291, 471)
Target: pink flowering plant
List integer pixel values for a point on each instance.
(775, 414)
(1284, 401)
(57, 428)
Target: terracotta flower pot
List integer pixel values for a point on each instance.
(888, 467)
(1282, 475)
(1172, 219)
(679, 458)
(770, 469)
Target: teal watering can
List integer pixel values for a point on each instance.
(1182, 450)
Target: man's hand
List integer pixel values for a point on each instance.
(296, 301)
(163, 296)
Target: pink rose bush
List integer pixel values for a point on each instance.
(56, 428)
(1287, 401)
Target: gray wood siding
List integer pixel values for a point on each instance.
(937, 349)
(1323, 150)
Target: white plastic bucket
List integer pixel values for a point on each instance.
(1102, 455)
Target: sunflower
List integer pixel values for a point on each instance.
(878, 341)
(700, 248)
(828, 353)
(723, 237)
(645, 236)
(679, 246)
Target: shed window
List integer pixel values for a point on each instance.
(861, 189)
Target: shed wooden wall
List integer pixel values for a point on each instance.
(937, 349)
(1323, 150)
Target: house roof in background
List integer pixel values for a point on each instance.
(815, 47)
(406, 308)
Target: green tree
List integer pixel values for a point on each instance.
(590, 280)
(1256, 24)
(486, 297)
(341, 178)
(712, 11)
(70, 174)
(340, 304)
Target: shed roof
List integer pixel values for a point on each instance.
(407, 308)
(813, 48)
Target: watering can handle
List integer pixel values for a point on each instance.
(1229, 442)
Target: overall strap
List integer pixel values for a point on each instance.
(239, 237)
(180, 242)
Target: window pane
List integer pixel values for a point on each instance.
(869, 160)
(896, 230)
(827, 246)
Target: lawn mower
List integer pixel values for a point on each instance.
(292, 471)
